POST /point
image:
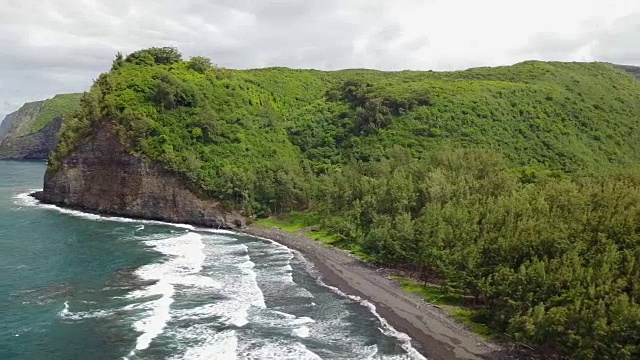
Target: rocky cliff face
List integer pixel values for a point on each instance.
(5, 125)
(16, 142)
(37, 145)
(101, 176)
(31, 132)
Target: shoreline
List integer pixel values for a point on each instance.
(433, 333)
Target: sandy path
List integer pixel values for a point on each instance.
(432, 331)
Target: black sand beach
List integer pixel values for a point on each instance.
(434, 333)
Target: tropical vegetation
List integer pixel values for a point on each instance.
(516, 188)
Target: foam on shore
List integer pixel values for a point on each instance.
(25, 199)
(185, 257)
(386, 328)
(242, 300)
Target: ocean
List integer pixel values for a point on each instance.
(81, 286)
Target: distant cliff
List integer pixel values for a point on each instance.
(31, 132)
(635, 70)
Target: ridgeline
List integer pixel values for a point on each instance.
(31, 132)
(515, 188)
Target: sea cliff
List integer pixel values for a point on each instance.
(101, 176)
(31, 132)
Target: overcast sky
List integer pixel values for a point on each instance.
(54, 46)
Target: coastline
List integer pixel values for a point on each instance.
(433, 333)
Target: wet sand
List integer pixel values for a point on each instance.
(434, 334)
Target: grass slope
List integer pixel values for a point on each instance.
(59, 106)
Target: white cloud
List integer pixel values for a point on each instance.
(53, 47)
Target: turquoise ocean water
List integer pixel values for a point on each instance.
(80, 286)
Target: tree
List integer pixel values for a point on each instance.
(158, 56)
(200, 64)
(374, 116)
(356, 92)
(171, 92)
(118, 61)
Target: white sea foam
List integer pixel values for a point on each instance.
(237, 287)
(276, 273)
(238, 301)
(25, 199)
(221, 346)
(66, 314)
(237, 294)
(202, 342)
(302, 332)
(82, 315)
(283, 314)
(230, 312)
(217, 231)
(278, 350)
(386, 328)
(239, 278)
(65, 309)
(185, 258)
(301, 320)
(279, 319)
(372, 351)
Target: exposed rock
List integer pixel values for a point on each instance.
(101, 176)
(13, 131)
(5, 125)
(37, 145)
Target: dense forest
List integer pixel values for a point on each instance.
(516, 187)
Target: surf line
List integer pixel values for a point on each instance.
(386, 329)
(405, 340)
(25, 199)
(184, 259)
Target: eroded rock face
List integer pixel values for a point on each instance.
(36, 145)
(18, 142)
(101, 176)
(31, 132)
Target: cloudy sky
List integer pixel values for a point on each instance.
(57, 46)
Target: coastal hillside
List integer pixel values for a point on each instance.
(515, 188)
(635, 70)
(31, 132)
